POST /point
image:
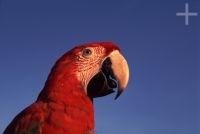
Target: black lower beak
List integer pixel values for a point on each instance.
(103, 82)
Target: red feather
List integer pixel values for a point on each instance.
(62, 106)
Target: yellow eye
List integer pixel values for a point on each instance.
(86, 52)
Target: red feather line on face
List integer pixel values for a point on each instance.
(63, 106)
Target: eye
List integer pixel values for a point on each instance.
(86, 52)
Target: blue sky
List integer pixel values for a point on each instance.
(163, 54)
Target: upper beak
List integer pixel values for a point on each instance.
(120, 70)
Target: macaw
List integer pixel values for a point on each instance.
(65, 104)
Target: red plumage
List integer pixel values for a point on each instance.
(62, 107)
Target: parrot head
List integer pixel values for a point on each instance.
(99, 68)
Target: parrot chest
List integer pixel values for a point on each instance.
(53, 118)
(68, 119)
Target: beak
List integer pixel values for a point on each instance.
(114, 73)
(120, 71)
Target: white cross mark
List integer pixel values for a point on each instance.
(186, 14)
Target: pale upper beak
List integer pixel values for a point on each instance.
(120, 70)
